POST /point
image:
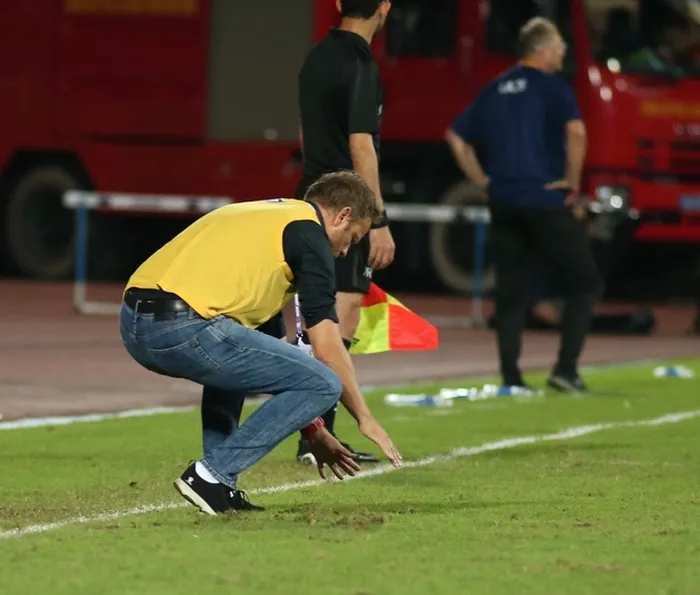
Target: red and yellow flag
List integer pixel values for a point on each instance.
(387, 325)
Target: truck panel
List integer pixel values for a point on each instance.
(243, 172)
(27, 44)
(132, 70)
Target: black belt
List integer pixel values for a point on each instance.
(154, 302)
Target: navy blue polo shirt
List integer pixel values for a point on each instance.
(517, 124)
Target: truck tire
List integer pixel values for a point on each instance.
(39, 231)
(453, 265)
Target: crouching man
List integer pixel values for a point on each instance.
(198, 308)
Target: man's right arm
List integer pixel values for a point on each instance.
(576, 143)
(308, 254)
(564, 105)
(363, 123)
(365, 163)
(309, 257)
(329, 348)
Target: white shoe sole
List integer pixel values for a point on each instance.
(193, 497)
(307, 459)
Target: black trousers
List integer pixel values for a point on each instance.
(518, 237)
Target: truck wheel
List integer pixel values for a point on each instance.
(39, 231)
(451, 245)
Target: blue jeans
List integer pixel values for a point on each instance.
(231, 361)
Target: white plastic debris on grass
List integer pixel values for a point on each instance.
(673, 372)
(422, 400)
(447, 396)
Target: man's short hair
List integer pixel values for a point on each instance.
(359, 9)
(533, 34)
(341, 189)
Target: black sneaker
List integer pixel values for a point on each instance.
(211, 498)
(567, 384)
(304, 454)
(238, 500)
(360, 456)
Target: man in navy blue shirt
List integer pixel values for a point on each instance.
(527, 131)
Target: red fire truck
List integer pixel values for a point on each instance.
(198, 97)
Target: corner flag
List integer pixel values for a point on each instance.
(387, 325)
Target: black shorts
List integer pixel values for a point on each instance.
(274, 327)
(352, 273)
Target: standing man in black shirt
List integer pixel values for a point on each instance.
(340, 102)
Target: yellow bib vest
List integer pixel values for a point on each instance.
(230, 262)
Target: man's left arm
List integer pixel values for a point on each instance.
(460, 136)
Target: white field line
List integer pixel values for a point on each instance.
(64, 420)
(470, 451)
(39, 422)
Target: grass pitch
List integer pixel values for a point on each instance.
(611, 509)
